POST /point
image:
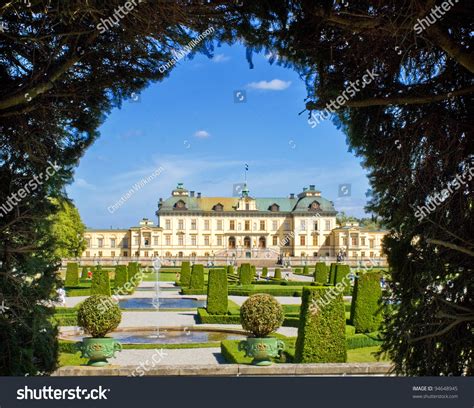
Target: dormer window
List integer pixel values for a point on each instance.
(180, 205)
(218, 207)
(274, 207)
(314, 206)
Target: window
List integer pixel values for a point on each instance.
(180, 240)
(344, 241)
(232, 225)
(274, 225)
(206, 240)
(206, 225)
(315, 225)
(302, 240)
(193, 240)
(155, 240)
(275, 240)
(193, 224)
(146, 241)
(218, 207)
(315, 240)
(168, 239)
(88, 254)
(219, 225)
(180, 224)
(354, 254)
(354, 240)
(219, 240)
(125, 243)
(125, 253)
(247, 225)
(302, 225)
(371, 254)
(137, 241)
(262, 225)
(167, 224)
(146, 254)
(100, 242)
(168, 254)
(328, 225)
(155, 253)
(274, 208)
(362, 241)
(362, 254)
(371, 244)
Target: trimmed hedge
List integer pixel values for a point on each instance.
(121, 278)
(133, 268)
(277, 273)
(217, 302)
(365, 308)
(341, 272)
(321, 273)
(306, 270)
(85, 269)
(72, 275)
(189, 291)
(245, 277)
(230, 270)
(298, 271)
(205, 318)
(197, 277)
(185, 274)
(247, 291)
(100, 282)
(363, 340)
(264, 272)
(332, 273)
(253, 269)
(321, 334)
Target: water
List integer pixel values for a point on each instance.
(184, 336)
(164, 303)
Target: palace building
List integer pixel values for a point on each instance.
(191, 225)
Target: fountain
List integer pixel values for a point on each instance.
(156, 299)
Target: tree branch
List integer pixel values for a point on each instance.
(450, 246)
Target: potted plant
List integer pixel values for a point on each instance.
(99, 315)
(261, 314)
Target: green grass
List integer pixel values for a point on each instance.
(71, 359)
(364, 355)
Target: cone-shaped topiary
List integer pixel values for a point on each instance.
(197, 277)
(332, 273)
(261, 314)
(254, 271)
(100, 282)
(321, 332)
(121, 278)
(245, 276)
(217, 292)
(133, 268)
(277, 273)
(230, 270)
(342, 272)
(185, 274)
(306, 270)
(84, 272)
(72, 275)
(365, 308)
(99, 315)
(264, 272)
(321, 273)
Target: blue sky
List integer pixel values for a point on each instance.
(191, 127)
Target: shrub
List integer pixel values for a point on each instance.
(230, 270)
(245, 276)
(217, 292)
(264, 272)
(306, 270)
(341, 272)
(363, 340)
(298, 271)
(197, 277)
(277, 274)
(332, 273)
(121, 278)
(100, 282)
(99, 315)
(205, 318)
(261, 314)
(185, 274)
(321, 333)
(85, 269)
(321, 273)
(254, 271)
(72, 275)
(365, 313)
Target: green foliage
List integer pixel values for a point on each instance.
(332, 273)
(264, 272)
(121, 278)
(185, 274)
(72, 275)
(321, 273)
(245, 276)
(197, 277)
(253, 270)
(217, 292)
(341, 272)
(366, 315)
(306, 270)
(100, 282)
(85, 269)
(99, 315)
(205, 318)
(133, 269)
(363, 340)
(298, 271)
(230, 269)
(277, 273)
(261, 314)
(321, 334)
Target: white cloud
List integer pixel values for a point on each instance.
(273, 85)
(220, 58)
(82, 183)
(202, 134)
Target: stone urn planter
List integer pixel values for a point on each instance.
(261, 315)
(98, 315)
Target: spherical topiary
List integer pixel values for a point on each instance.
(261, 314)
(99, 315)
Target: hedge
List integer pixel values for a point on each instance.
(85, 269)
(185, 274)
(298, 271)
(264, 272)
(247, 291)
(332, 273)
(254, 272)
(100, 282)
(277, 274)
(306, 270)
(121, 278)
(217, 292)
(341, 272)
(321, 333)
(363, 340)
(230, 270)
(321, 273)
(365, 307)
(197, 277)
(245, 276)
(72, 275)
(189, 291)
(133, 268)
(205, 318)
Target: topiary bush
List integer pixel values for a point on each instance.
(321, 332)
(245, 276)
(133, 269)
(121, 277)
(254, 271)
(197, 277)
(217, 302)
(72, 275)
(277, 273)
(366, 315)
(321, 273)
(100, 282)
(298, 271)
(306, 270)
(99, 315)
(185, 274)
(230, 270)
(264, 272)
(84, 272)
(261, 314)
(332, 273)
(341, 272)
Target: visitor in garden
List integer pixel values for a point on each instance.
(89, 275)
(62, 296)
